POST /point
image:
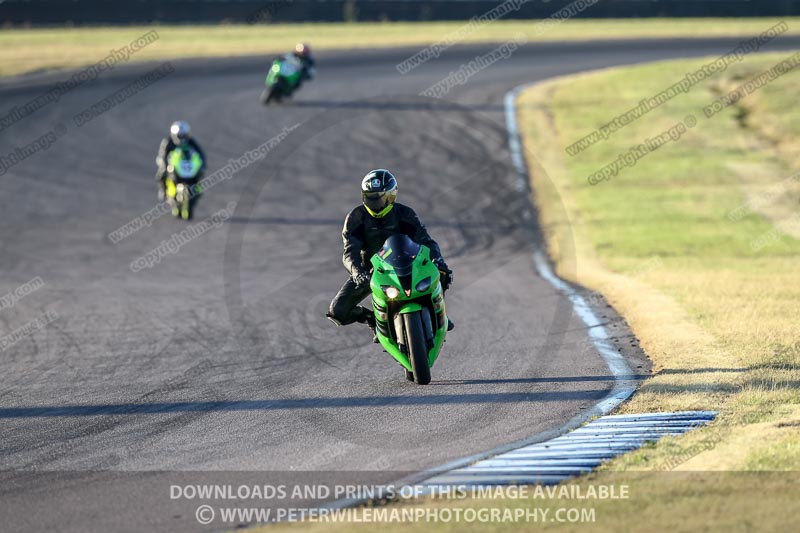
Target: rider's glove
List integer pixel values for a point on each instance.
(446, 278)
(361, 278)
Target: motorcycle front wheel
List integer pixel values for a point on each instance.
(183, 200)
(417, 347)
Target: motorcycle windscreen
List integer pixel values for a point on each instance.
(399, 252)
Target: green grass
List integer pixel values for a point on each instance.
(673, 203)
(27, 50)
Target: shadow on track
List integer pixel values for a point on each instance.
(566, 379)
(306, 403)
(285, 221)
(434, 105)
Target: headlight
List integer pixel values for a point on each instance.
(391, 292)
(424, 285)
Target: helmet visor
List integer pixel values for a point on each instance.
(375, 201)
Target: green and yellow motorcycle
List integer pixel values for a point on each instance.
(408, 301)
(183, 173)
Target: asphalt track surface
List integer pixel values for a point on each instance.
(218, 364)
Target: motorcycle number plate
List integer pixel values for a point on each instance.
(185, 168)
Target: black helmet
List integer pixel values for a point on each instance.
(378, 192)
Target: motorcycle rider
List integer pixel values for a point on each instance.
(303, 52)
(180, 136)
(366, 228)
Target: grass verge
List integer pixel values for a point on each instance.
(29, 50)
(697, 246)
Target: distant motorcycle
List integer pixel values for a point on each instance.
(183, 173)
(283, 79)
(408, 301)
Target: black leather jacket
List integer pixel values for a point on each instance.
(363, 236)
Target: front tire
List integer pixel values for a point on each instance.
(417, 347)
(184, 201)
(275, 92)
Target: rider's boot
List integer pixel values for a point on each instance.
(373, 326)
(368, 318)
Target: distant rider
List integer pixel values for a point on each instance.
(303, 52)
(366, 228)
(180, 136)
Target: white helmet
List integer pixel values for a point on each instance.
(180, 131)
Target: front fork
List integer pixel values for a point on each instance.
(427, 325)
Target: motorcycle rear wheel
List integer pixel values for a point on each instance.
(274, 93)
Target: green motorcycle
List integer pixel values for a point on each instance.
(283, 78)
(410, 317)
(183, 172)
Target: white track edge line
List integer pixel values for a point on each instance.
(623, 388)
